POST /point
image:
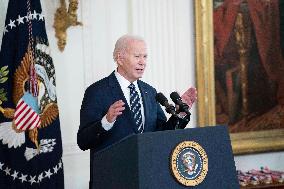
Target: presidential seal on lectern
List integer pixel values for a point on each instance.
(189, 163)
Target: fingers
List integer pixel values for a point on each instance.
(115, 110)
(190, 96)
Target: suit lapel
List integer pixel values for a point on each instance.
(116, 90)
(117, 95)
(145, 100)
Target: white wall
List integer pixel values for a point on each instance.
(167, 26)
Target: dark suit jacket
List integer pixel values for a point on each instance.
(97, 100)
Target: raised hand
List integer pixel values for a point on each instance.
(115, 110)
(190, 96)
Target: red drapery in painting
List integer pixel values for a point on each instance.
(265, 18)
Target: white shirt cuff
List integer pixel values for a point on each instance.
(105, 124)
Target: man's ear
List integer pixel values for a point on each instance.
(120, 59)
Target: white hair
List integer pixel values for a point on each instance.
(122, 44)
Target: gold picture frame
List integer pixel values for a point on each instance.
(242, 143)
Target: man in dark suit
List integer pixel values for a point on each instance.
(112, 110)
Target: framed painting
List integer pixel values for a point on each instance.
(240, 70)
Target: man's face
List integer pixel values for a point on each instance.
(132, 64)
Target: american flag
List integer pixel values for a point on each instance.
(30, 159)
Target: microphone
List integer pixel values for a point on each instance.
(164, 102)
(183, 107)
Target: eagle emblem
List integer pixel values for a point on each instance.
(31, 112)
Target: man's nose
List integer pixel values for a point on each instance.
(142, 61)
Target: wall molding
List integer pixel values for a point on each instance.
(88, 58)
(71, 149)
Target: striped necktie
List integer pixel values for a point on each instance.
(135, 107)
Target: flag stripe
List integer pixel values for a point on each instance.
(26, 117)
(35, 123)
(23, 116)
(28, 120)
(22, 122)
(32, 123)
(19, 109)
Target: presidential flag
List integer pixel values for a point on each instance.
(30, 136)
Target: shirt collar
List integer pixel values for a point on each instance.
(124, 83)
